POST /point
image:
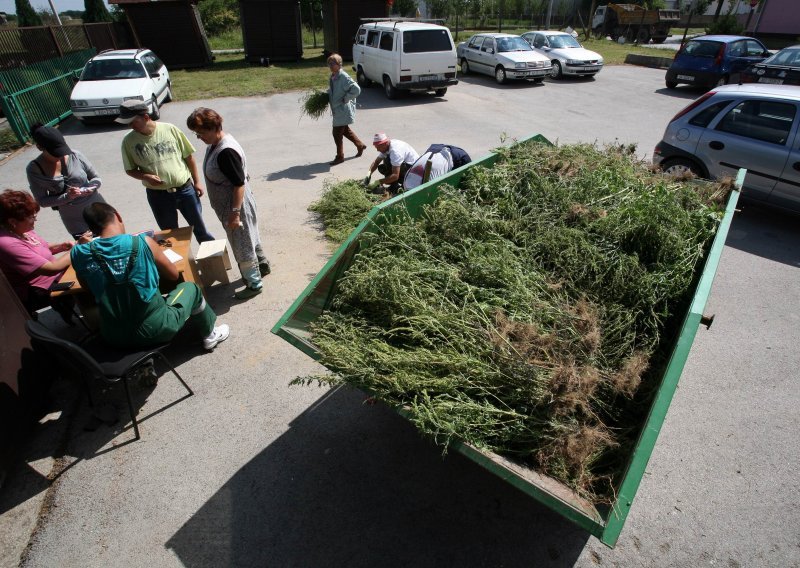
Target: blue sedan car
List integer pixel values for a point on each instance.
(713, 60)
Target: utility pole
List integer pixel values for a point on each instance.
(549, 14)
(753, 4)
(55, 12)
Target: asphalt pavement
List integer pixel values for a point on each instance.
(253, 472)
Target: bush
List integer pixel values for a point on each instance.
(727, 24)
(219, 15)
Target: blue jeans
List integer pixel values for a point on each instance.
(165, 207)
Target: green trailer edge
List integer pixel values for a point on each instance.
(605, 525)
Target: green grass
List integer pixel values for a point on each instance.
(232, 76)
(8, 140)
(232, 39)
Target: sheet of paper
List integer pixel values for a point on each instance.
(172, 255)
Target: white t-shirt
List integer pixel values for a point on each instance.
(441, 163)
(400, 153)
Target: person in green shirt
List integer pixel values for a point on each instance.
(160, 156)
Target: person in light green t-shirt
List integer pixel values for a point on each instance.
(160, 156)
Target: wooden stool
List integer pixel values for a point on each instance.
(213, 261)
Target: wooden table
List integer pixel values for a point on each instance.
(179, 240)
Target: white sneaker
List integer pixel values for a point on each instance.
(218, 335)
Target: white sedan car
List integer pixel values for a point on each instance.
(504, 56)
(114, 76)
(569, 57)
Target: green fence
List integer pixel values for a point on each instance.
(40, 92)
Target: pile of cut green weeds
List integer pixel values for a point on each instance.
(529, 311)
(343, 206)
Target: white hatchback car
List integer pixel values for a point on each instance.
(505, 56)
(114, 76)
(569, 57)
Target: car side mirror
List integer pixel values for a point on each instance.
(546, 48)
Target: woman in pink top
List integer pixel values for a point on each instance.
(26, 259)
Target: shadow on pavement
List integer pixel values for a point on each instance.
(766, 233)
(304, 172)
(354, 485)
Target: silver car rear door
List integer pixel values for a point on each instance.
(753, 134)
(787, 190)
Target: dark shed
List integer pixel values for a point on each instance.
(341, 19)
(271, 30)
(171, 28)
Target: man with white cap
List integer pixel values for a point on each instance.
(395, 157)
(160, 156)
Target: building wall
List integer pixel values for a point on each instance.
(271, 30)
(172, 29)
(777, 17)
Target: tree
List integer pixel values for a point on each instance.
(26, 15)
(404, 8)
(96, 11)
(219, 15)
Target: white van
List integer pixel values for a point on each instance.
(407, 56)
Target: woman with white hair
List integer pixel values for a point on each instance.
(342, 93)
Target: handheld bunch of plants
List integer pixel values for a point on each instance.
(314, 103)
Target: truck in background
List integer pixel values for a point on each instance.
(633, 22)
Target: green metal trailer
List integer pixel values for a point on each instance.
(604, 522)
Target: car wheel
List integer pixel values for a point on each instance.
(155, 113)
(361, 78)
(721, 81)
(464, 67)
(671, 84)
(555, 72)
(680, 167)
(440, 92)
(500, 75)
(598, 33)
(388, 88)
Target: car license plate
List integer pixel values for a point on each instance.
(686, 77)
(106, 111)
(770, 81)
(428, 77)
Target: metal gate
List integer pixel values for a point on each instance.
(39, 92)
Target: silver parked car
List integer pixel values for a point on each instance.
(753, 126)
(568, 56)
(504, 56)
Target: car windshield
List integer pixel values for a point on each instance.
(512, 44)
(110, 69)
(701, 48)
(561, 41)
(789, 56)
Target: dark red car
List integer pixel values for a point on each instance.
(783, 68)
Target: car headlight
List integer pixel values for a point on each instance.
(600, 61)
(137, 98)
(77, 103)
(520, 65)
(574, 62)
